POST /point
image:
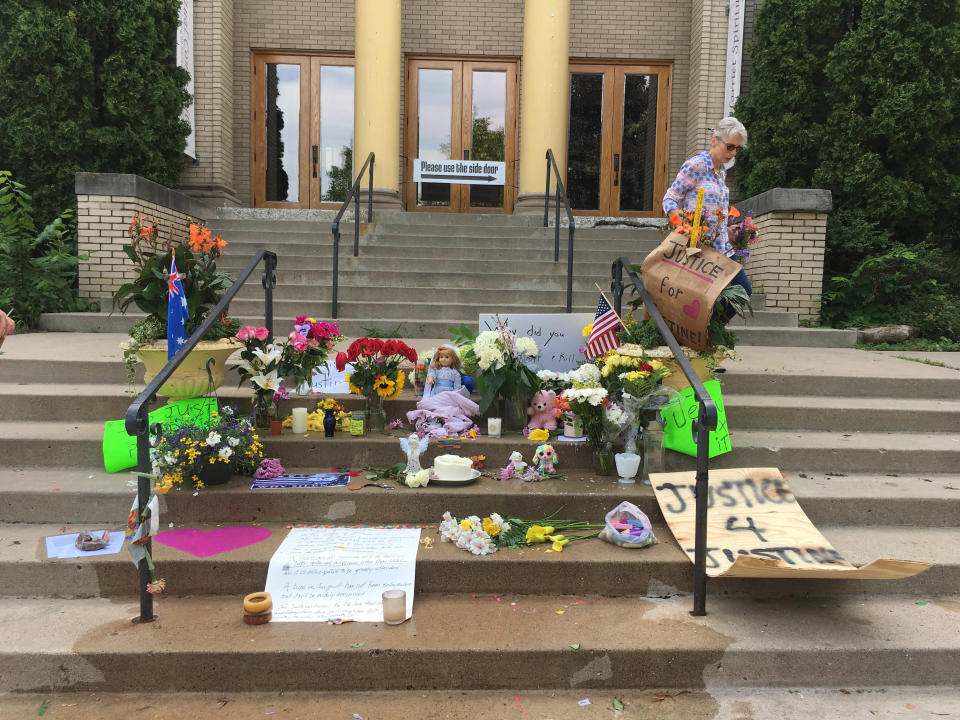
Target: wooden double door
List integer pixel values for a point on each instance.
(301, 130)
(618, 139)
(460, 110)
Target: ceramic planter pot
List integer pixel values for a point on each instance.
(190, 380)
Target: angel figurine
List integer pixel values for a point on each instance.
(414, 447)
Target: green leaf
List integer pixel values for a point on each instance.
(575, 646)
(617, 705)
(358, 644)
(43, 708)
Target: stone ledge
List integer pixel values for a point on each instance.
(788, 200)
(129, 185)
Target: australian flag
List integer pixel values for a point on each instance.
(176, 312)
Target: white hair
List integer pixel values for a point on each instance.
(728, 127)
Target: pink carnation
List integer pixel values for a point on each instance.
(247, 333)
(261, 333)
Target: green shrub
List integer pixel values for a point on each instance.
(37, 270)
(89, 86)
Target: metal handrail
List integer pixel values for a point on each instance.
(706, 422)
(561, 192)
(137, 416)
(354, 195)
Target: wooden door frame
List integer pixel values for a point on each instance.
(461, 134)
(310, 64)
(606, 138)
(612, 118)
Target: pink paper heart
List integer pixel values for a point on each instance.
(204, 543)
(692, 310)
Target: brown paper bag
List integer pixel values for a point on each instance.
(684, 283)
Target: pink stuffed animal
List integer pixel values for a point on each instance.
(542, 412)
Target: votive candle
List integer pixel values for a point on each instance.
(299, 420)
(394, 606)
(494, 426)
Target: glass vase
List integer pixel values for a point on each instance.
(376, 417)
(632, 407)
(653, 460)
(264, 409)
(513, 409)
(603, 461)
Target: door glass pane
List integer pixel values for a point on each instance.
(489, 111)
(283, 133)
(336, 132)
(639, 141)
(584, 144)
(435, 103)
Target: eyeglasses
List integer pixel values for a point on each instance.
(733, 148)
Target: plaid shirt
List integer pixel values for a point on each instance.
(695, 173)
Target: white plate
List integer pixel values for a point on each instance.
(474, 474)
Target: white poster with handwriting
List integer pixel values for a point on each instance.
(321, 574)
(328, 380)
(559, 336)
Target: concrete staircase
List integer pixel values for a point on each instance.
(870, 445)
(420, 273)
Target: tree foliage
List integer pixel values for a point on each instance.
(861, 97)
(89, 86)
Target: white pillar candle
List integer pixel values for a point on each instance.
(394, 607)
(299, 420)
(494, 426)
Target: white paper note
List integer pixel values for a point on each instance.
(321, 574)
(65, 546)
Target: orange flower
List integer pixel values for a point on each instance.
(674, 219)
(734, 212)
(196, 238)
(220, 242)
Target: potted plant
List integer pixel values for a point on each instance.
(195, 453)
(376, 373)
(203, 286)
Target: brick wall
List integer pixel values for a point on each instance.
(786, 263)
(106, 203)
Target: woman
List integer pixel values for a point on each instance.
(707, 171)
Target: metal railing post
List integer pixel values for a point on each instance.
(336, 267)
(546, 196)
(353, 194)
(144, 483)
(356, 219)
(370, 194)
(269, 282)
(705, 423)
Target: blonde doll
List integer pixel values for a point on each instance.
(444, 372)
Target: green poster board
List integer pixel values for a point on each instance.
(678, 418)
(120, 449)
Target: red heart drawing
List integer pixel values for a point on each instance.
(692, 310)
(204, 543)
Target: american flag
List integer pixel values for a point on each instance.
(603, 337)
(176, 312)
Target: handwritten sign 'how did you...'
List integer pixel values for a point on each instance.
(558, 336)
(756, 528)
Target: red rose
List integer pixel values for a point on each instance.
(341, 361)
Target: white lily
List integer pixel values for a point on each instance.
(270, 381)
(272, 355)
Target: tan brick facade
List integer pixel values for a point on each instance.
(690, 35)
(102, 224)
(787, 261)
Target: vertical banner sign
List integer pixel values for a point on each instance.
(734, 55)
(185, 60)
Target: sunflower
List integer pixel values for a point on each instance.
(398, 383)
(384, 386)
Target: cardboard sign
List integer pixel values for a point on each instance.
(755, 528)
(120, 449)
(684, 284)
(558, 336)
(679, 415)
(328, 380)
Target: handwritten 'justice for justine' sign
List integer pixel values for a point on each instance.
(755, 528)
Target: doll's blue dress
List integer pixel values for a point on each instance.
(445, 379)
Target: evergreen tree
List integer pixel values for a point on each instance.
(862, 97)
(89, 86)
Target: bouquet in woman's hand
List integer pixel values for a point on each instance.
(742, 232)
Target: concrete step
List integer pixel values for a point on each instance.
(796, 337)
(461, 642)
(60, 443)
(789, 703)
(75, 494)
(582, 567)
